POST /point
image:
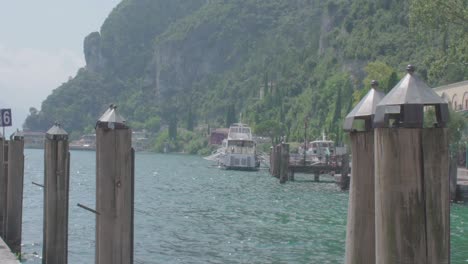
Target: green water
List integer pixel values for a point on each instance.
(188, 212)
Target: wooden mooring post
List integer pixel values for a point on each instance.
(114, 190)
(453, 177)
(3, 185)
(284, 162)
(345, 178)
(14, 212)
(411, 168)
(360, 230)
(56, 194)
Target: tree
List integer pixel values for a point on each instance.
(269, 128)
(230, 114)
(443, 22)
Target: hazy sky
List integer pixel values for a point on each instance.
(41, 45)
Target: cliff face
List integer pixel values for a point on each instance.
(95, 62)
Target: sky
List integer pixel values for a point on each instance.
(41, 46)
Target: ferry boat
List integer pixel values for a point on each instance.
(238, 151)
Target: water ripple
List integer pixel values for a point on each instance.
(189, 212)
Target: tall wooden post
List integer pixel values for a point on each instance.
(114, 190)
(3, 185)
(453, 177)
(345, 178)
(360, 231)
(284, 163)
(56, 194)
(411, 167)
(14, 212)
(277, 161)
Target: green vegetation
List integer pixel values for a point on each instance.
(181, 64)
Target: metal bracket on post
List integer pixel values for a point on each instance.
(88, 209)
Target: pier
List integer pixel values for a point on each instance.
(284, 165)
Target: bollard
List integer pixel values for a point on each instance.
(114, 190)
(411, 168)
(360, 231)
(284, 162)
(3, 185)
(14, 199)
(56, 194)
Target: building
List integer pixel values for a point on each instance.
(218, 135)
(456, 94)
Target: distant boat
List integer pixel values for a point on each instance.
(86, 142)
(238, 151)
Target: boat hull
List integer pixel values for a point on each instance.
(232, 161)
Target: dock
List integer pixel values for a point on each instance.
(285, 165)
(6, 256)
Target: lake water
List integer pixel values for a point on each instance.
(189, 212)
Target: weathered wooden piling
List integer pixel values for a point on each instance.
(14, 212)
(411, 168)
(345, 179)
(453, 177)
(114, 190)
(3, 185)
(316, 176)
(284, 162)
(360, 231)
(277, 161)
(56, 194)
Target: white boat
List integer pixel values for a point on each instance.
(238, 151)
(318, 151)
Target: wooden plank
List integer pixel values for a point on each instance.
(437, 194)
(360, 232)
(114, 196)
(399, 197)
(56, 202)
(14, 213)
(3, 187)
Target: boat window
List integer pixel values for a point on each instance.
(241, 143)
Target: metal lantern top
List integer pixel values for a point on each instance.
(18, 135)
(56, 132)
(111, 119)
(365, 109)
(404, 104)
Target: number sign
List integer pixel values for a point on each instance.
(5, 117)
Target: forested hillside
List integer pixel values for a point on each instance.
(279, 63)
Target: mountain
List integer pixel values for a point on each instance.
(204, 62)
